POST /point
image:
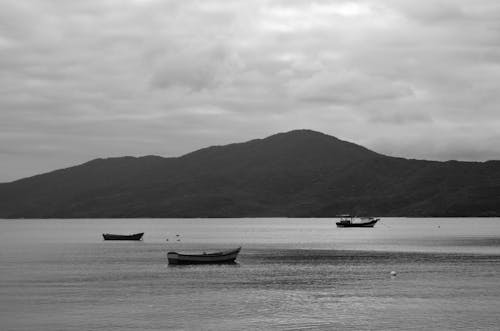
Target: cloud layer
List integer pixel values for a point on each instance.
(85, 79)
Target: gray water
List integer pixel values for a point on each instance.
(291, 274)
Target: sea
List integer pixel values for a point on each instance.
(291, 274)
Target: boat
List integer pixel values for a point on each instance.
(135, 236)
(220, 257)
(347, 221)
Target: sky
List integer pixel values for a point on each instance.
(104, 78)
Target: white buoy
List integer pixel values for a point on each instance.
(393, 273)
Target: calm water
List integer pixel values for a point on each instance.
(292, 274)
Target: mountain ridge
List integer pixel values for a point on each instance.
(301, 173)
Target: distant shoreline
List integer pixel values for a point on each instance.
(234, 218)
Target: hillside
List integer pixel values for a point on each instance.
(299, 173)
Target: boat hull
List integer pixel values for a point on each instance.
(136, 236)
(224, 257)
(370, 224)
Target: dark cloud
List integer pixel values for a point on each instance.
(348, 88)
(84, 79)
(193, 69)
(432, 12)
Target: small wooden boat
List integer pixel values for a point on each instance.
(205, 258)
(349, 222)
(135, 236)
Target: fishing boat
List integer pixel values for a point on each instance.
(347, 221)
(204, 258)
(135, 236)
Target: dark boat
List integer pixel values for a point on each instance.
(205, 258)
(135, 236)
(350, 222)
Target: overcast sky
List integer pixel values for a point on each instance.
(99, 78)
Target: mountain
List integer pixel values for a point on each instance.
(301, 173)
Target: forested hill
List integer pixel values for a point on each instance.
(300, 173)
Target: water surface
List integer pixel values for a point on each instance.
(291, 274)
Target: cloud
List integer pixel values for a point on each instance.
(193, 69)
(431, 12)
(348, 87)
(81, 79)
